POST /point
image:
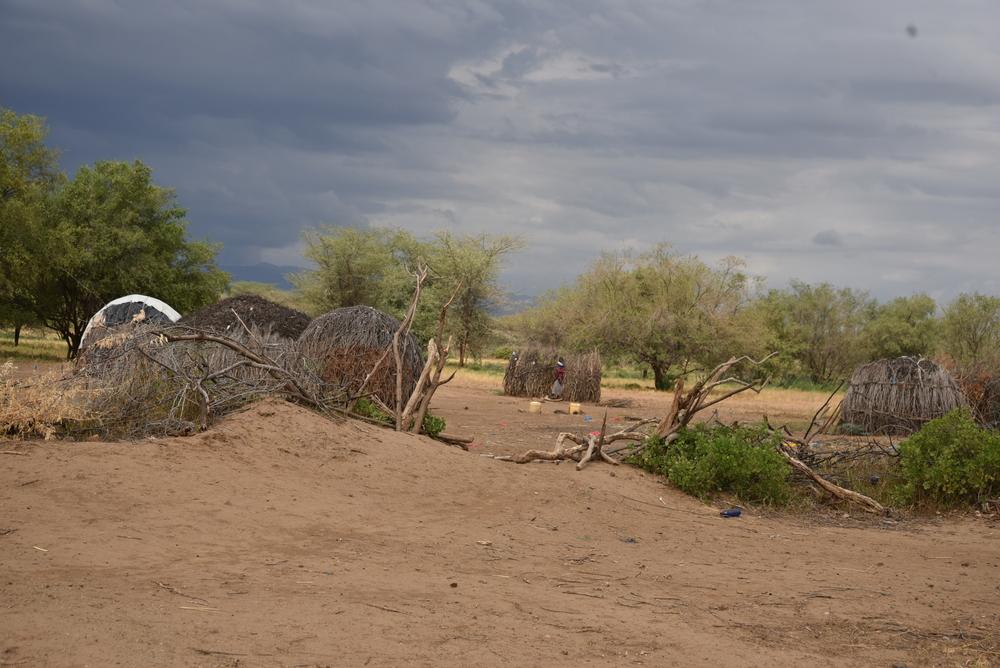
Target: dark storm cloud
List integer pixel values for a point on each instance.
(819, 140)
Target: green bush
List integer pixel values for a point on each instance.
(503, 352)
(433, 425)
(704, 461)
(950, 461)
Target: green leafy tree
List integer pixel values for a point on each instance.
(356, 267)
(904, 326)
(971, 329)
(820, 327)
(372, 267)
(658, 308)
(28, 174)
(110, 232)
(470, 265)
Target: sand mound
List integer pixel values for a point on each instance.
(280, 538)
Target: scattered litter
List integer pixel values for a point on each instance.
(484, 542)
(731, 512)
(40, 549)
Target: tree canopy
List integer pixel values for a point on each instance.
(67, 247)
(373, 267)
(658, 308)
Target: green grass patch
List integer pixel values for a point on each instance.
(35, 346)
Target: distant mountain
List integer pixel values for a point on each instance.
(263, 272)
(514, 303)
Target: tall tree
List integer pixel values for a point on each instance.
(470, 265)
(109, 232)
(971, 329)
(903, 326)
(657, 308)
(355, 267)
(28, 174)
(819, 326)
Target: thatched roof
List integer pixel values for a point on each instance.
(255, 311)
(897, 396)
(531, 372)
(347, 342)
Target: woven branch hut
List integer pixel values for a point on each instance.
(531, 372)
(346, 343)
(254, 311)
(897, 396)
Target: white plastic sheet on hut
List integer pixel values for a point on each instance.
(124, 310)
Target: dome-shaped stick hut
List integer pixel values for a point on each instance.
(346, 343)
(125, 311)
(254, 311)
(897, 396)
(530, 373)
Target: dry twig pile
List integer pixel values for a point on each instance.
(230, 315)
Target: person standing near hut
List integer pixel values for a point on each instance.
(560, 380)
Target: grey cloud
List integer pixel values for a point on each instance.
(827, 238)
(773, 130)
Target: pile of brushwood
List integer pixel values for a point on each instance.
(154, 379)
(705, 461)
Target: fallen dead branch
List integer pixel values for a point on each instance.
(867, 503)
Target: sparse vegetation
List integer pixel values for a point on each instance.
(952, 461)
(705, 461)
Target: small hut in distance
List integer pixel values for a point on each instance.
(898, 396)
(530, 373)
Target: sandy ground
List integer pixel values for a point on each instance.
(280, 539)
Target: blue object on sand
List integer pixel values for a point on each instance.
(731, 512)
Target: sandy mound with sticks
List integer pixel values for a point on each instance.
(279, 538)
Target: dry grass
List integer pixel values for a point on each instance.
(36, 345)
(137, 383)
(42, 406)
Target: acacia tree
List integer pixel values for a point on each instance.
(657, 308)
(821, 327)
(358, 267)
(469, 265)
(971, 329)
(903, 326)
(109, 232)
(372, 267)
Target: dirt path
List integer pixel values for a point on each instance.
(279, 539)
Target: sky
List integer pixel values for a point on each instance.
(853, 142)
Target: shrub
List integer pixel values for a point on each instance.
(951, 461)
(432, 425)
(739, 460)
